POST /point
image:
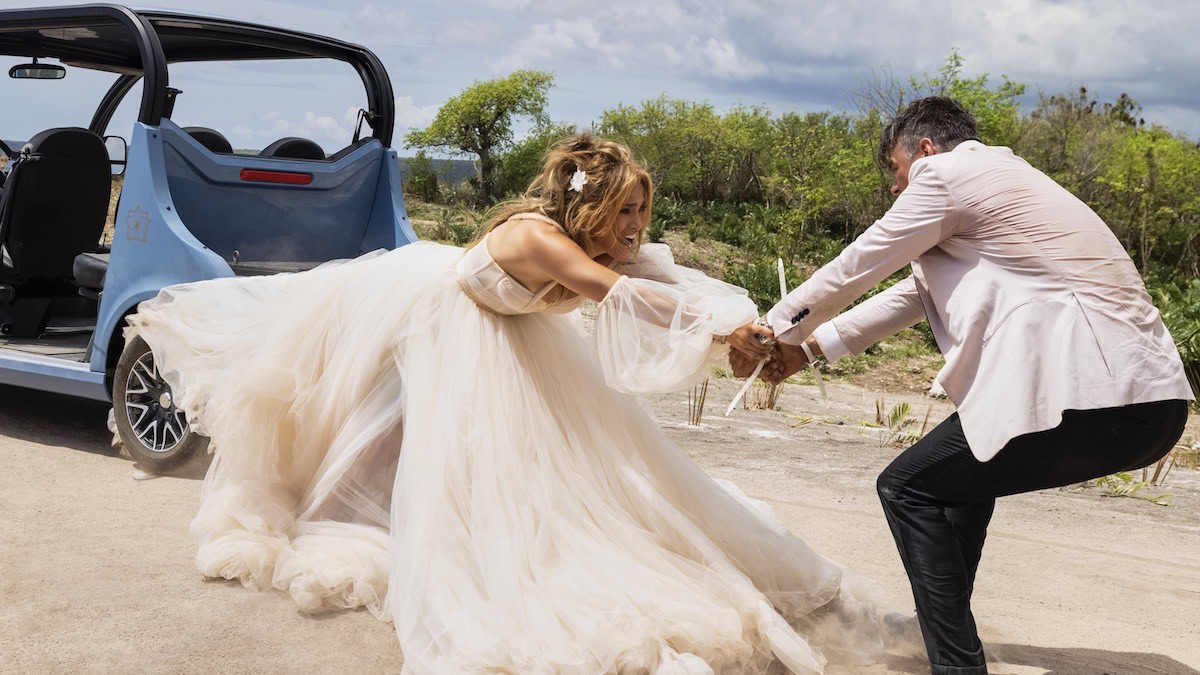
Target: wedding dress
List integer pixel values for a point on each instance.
(414, 432)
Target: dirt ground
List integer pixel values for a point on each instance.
(96, 568)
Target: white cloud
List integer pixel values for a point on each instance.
(506, 5)
(328, 132)
(566, 44)
(410, 115)
(788, 54)
(724, 60)
(373, 21)
(457, 33)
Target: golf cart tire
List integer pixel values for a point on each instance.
(152, 445)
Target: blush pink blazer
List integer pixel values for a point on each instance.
(1034, 303)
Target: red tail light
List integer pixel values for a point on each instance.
(287, 177)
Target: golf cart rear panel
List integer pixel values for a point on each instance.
(189, 211)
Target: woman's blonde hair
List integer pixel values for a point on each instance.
(585, 215)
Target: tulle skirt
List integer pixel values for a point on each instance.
(383, 442)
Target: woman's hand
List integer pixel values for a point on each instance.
(748, 341)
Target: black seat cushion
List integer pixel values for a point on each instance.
(55, 203)
(293, 148)
(211, 139)
(90, 269)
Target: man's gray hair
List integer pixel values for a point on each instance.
(941, 119)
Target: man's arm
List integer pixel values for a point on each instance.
(879, 316)
(885, 314)
(921, 218)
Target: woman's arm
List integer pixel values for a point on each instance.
(561, 259)
(565, 262)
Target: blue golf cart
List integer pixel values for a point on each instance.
(190, 208)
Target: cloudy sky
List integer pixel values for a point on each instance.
(798, 55)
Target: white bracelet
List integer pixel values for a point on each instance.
(808, 352)
(812, 365)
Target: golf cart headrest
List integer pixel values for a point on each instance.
(293, 148)
(211, 139)
(67, 143)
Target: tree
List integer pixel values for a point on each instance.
(479, 121)
(522, 162)
(1071, 140)
(677, 138)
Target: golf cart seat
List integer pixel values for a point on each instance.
(90, 269)
(55, 202)
(211, 139)
(293, 148)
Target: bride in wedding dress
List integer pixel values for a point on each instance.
(428, 433)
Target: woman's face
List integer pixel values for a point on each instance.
(622, 239)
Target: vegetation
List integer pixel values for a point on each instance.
(742, 187)
(1123, 485)
(479, 121)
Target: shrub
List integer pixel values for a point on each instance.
(657, 230)
(462, 232)
(760, 277)
(729, 230)
(1179, 304)
(421, 181)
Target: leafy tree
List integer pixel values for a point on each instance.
(1071, 139)
(676, 138)
(1149, 194)
(479, 121)
(522, 162)
(996, 110)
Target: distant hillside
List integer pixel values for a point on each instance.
(448, 170)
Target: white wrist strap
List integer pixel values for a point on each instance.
(812, 364)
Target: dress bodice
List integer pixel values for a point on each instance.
(492, 288)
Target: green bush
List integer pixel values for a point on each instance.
(1179, 304)
(729, 230)
(462, 232)
(657, 230)
(672, 213)
(421, 181)
(760, 277)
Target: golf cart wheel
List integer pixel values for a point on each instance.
(152, 428)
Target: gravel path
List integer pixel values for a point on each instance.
(97, 573)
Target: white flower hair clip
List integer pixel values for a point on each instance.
(578, 181)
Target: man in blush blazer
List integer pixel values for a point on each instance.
(1057, 360)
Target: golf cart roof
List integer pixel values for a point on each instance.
(141, 43)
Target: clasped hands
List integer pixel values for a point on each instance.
(784, 360)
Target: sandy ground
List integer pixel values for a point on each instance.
(96, 572)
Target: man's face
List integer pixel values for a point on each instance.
(899, 162)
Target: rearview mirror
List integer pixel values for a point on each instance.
(116, 153)
(37, 71)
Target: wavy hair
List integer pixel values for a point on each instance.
(587, 214)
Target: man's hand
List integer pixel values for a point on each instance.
(786, 360)
(742, 363)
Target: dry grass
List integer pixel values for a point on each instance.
(696, 400)
(762, 396)
(110, 220)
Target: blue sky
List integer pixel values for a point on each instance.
(799, 55)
